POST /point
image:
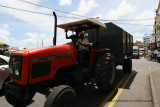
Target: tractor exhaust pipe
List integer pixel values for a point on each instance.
(55, 29)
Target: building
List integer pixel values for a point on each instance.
(139, 44)
(146, 41)
(157, 20)
(152, 38)
(156, 27)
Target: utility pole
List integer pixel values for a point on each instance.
(155, 32)
(155, 35)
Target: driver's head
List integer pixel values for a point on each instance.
(81, 34)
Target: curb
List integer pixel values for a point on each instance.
(153, 92)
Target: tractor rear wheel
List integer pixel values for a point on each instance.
(127, 65)
(105, 72)
(61, 96)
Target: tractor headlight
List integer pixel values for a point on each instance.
(15, 65)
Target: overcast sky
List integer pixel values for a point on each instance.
(27, 30)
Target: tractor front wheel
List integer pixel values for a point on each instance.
(18, 101)
(61, 96)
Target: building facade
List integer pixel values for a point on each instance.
(139, 44)
(156, 27)
(146, 41)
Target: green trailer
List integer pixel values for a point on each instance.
(116, 39)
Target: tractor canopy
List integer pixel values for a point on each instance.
(82, 25)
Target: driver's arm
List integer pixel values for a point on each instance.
(66, 34)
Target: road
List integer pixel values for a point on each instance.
(131, 90)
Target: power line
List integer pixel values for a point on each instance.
(132, 24)
(128, 20)
(82, 15)
(37, 12)
(52, 8)
(65, 16)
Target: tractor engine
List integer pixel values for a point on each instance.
(34, 65)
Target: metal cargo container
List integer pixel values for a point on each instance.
(116, 39)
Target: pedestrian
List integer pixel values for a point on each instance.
(150, 54)
(144, 54)
(158, 55)
(155, 55)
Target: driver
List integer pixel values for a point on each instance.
(83, 44)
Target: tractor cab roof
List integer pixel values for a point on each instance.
(82, 25)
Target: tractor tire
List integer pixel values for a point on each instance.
(127, 65)
(61, 96)
(18, 101)
(105, 72)
(3, 86)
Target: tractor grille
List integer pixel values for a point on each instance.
(15, 65)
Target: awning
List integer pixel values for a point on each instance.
(141, 49)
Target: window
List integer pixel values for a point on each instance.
(135, 50)
(3, 62)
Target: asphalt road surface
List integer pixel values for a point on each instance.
(131, 90)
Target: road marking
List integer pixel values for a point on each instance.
(149, 68)
(143, 67)
(113, 91)
(154, 69)
(119, 92)
(141, 70)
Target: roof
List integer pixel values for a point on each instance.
(82, 25)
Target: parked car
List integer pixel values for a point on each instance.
(141, 53)
(136, 52)
(4, 71)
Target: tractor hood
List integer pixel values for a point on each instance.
(49, 51)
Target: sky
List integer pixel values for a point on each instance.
(27, 30)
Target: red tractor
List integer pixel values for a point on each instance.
(34, 69)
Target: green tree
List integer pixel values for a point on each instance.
(158, 28)
(134, 44)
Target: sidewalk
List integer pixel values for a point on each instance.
(148, 59)
(155, 88)
(155, 85)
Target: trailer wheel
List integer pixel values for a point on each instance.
(105, 72)
(127, 65)
(61, 96)
(18, 101)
